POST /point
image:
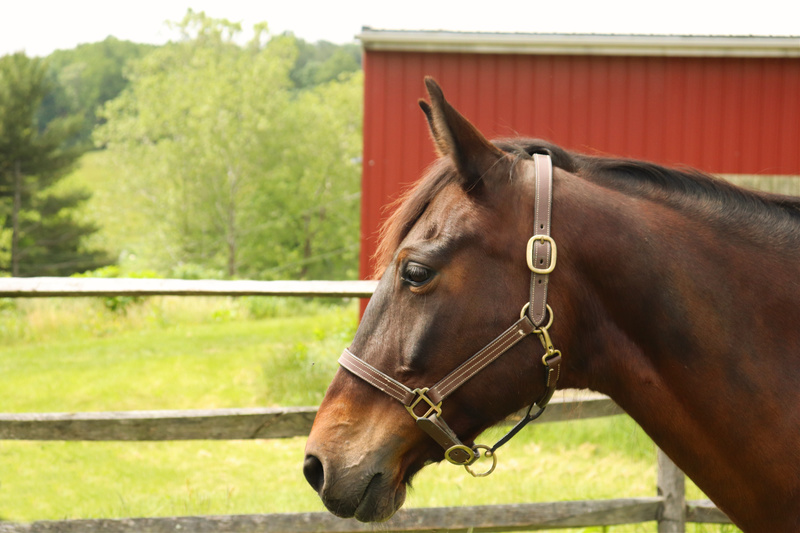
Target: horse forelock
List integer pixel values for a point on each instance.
(409, 207)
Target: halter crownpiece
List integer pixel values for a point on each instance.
(541, 257)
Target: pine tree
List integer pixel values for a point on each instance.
(44, 237)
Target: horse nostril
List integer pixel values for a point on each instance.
(315, 474)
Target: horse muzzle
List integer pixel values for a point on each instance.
(362, 489)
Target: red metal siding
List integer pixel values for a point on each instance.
(722, 115)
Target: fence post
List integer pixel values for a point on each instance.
(671, 486)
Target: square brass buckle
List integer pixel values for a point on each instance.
(553, 252)
(432, 407)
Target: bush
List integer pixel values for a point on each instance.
(118, 304)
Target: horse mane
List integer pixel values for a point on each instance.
(676, 185)
(680, 188)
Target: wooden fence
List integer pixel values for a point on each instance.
(668, 508)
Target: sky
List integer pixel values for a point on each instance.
(40, 26)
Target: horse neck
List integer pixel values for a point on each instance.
(670, 319)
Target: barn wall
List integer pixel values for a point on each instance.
(731, 115)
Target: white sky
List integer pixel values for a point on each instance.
(41, 26)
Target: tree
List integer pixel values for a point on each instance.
(218, 145)
(314, 199)
(322, 62)
(82, 79)
(44, 238)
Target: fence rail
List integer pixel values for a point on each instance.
(224, 424)
(78, 287)
(669, 509)
(485, 518)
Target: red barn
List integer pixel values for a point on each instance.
(726, 105)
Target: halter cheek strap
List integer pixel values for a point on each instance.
(541, 250)
(425, 404)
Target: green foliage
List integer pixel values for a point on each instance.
(223, 160)
(22, 87)
(51, 239)
(323, 62)
(118, 304)
(194, 271)
(123, 226)
(237, 170)
(313, 198)
(86, 77)
(41, 235)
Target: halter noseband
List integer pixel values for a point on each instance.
(541, 256)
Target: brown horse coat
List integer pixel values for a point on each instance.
(675, 293)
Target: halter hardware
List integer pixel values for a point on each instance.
(459, 449)
(433, 407)
(489, 453)
(530, 254)
(530, 321)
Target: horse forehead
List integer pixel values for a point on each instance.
(451, 212)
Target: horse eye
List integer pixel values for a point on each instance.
(416, 275)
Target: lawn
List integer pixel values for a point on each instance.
(179, 353)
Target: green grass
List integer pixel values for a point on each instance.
(181, 353)
(83, 357)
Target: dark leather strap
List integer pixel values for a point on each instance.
(376, 378)
(542, 249)
(455, 451)
(452, 381)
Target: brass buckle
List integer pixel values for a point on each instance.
(471, 457)
(553, 252)
(433, 408)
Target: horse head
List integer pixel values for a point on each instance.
(455, 276)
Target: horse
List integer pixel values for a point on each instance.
(671, 291)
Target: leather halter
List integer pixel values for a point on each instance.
(541, 257)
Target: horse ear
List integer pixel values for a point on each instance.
(457, 138)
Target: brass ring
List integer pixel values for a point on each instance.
(549, 312)
(489, 453)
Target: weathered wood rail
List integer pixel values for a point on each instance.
(222, 424)
(80, 287)
(482, 518)
(669, 509)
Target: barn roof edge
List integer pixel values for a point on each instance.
(579, 44)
